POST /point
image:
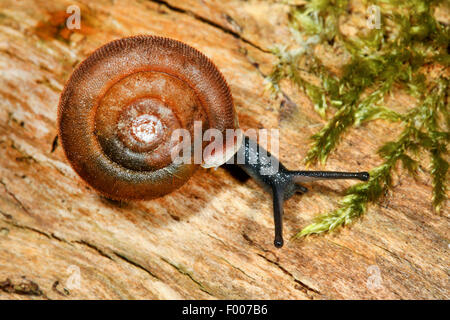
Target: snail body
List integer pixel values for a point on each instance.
(282, 183)
(120, 107)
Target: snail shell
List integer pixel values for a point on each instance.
(121, 105)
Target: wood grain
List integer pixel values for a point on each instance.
(212, 239)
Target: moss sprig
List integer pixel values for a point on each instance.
(395, 56)
(415, 136)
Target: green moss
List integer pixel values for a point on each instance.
(409, 39)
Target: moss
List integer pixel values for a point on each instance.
(409, 42)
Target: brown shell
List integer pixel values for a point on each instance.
(131, 84)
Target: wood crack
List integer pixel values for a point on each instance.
(84, 243)
(93, 247)
(12, 195)
(47, 235)
(310, 292)
(186, 273)
(135, 264)
(236, 268)
(210, 23)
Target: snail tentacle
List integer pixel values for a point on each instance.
(308, 176)
(278, 198)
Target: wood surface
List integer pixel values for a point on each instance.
(213, 238)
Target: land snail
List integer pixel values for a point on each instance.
(119, 108)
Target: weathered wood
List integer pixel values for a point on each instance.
(211, 239)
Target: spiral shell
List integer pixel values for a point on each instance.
(120, 106)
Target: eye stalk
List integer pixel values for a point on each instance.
(281, 182)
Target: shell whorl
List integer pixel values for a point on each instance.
(119, 107)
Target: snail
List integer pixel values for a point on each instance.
(121, 105)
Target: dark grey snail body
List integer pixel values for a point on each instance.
(282, 183)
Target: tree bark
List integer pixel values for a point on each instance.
(213, 238)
